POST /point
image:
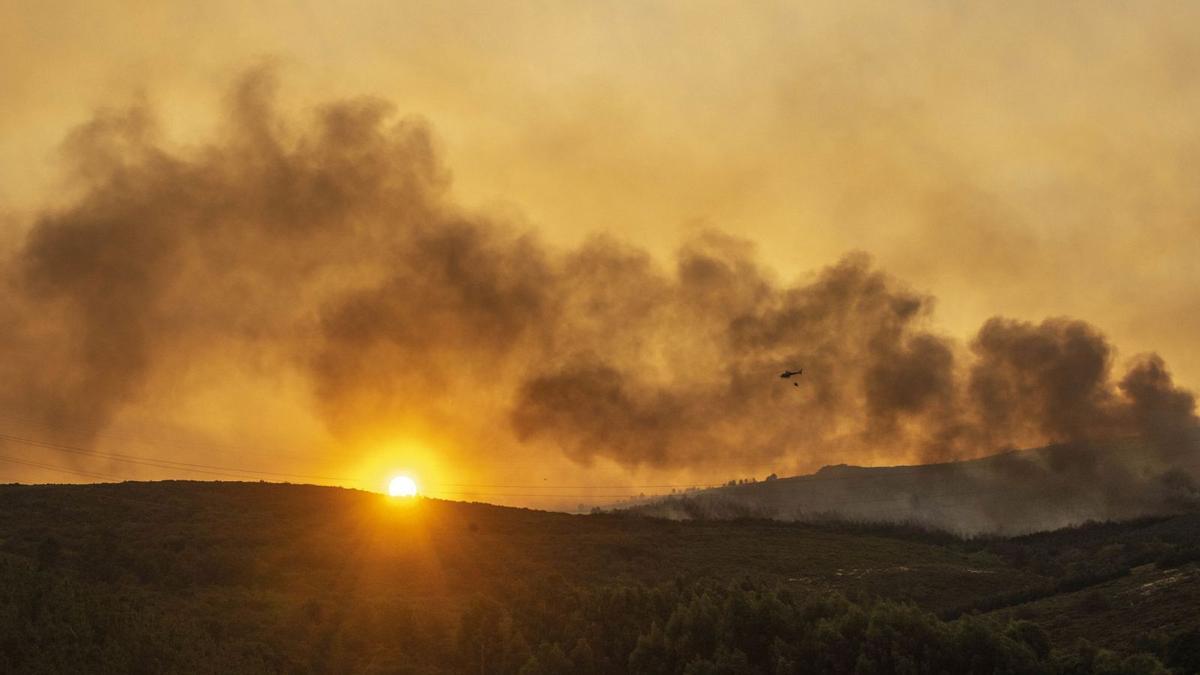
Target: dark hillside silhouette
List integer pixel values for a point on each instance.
(257, 577)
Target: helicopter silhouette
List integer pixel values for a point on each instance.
(789, 373)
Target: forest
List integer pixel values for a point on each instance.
(260, 577)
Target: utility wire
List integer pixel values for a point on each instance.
(153, 440)
(75, 472)
(165, 463)
(233, 472)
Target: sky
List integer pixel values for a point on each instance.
(267, 235)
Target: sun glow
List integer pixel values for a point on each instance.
(402, 486)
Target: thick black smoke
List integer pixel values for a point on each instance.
(332, 249)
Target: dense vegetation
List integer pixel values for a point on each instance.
(219, 577)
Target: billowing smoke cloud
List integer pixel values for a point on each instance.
(161, 262)
(1158, 409)
(332, 249)
(1051, 382)
(1048, 380)
(700, 383)
(876, 380)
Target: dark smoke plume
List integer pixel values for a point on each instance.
(331, 248)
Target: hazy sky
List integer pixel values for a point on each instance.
(1026, 160)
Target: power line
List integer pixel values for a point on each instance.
(541, 496)
(585, 487)
(153, 441)
(227, 471)
(234, 472)
(209, 469)
(1015, 526)
(886, 475)
(77, 472)
(823, 503)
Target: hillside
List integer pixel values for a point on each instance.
(1010, 493)
(219, 577)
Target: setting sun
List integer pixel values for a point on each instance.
(402, 486)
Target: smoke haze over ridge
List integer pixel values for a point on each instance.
(315, 274)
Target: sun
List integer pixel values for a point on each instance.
(402, 486)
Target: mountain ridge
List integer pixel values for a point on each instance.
(1012, 492)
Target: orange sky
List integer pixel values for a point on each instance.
(1022, 159)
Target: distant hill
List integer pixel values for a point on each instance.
(1010, 493)
(256, 577)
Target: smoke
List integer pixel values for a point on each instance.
(167, 259)
(332, 248)
(1157, 408)
(701, 385)
(1048, 380)
(1051, 382)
